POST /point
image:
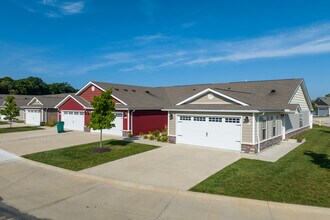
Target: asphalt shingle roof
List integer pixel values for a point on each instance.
(325, 100)
(257, 94)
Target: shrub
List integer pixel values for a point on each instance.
(300, 139)
(130, 135)
(164, 139)
(151, 137)
(51, 124)
(145, 137)
(156, 133)
(141, 134)
(159, 138)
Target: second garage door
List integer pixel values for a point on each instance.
(73, 120)
(32, 116)
(210, 131)
(118, 129)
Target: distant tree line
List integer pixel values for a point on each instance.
(33, 86)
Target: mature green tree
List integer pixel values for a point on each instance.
(10, 111)
(327, 95)
(58, 88)
(6, 84)
(102, 116)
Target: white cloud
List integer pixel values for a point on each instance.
(52, 8)
(188, 24)
(71, 8)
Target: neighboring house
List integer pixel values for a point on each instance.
(41, 109)
(138, 108)
(322, 106)
(21, 100)
(240, 116)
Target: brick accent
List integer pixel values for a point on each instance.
(247, 148)
(293, 133)
(126, 134)
(172, 139)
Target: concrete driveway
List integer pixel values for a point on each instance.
(21, 143)
(171, 166)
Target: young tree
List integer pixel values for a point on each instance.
(11, 111)
(102, 116)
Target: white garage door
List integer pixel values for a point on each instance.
(210, 131)
(73, 120)
(32, 117)
(117, 130)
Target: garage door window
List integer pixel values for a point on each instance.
(215, 119)
(232, 120)
(185, 118)
(199, 118)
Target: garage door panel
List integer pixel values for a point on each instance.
(73, 120)
(118, 129)
(209, 131)
(33, 117)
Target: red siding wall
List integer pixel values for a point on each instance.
(149, 120)
(124, 119)
(70, 104)
(88, 94)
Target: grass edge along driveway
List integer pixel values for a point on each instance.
(300, 177)
(81, 157)
(19, 129)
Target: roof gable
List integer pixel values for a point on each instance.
(225, 99)
(35, 102)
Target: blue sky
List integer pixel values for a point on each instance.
(166, 42)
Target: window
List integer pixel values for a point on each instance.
(215, 119)
(199, 119)
(263, 123)
(70, 113)
(76, 113)
(185, 118)
(301, 123)
(274, 122)
(81, 113)
(232, 120)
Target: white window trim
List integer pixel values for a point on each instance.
(212, 91)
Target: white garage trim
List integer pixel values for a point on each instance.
(221, 123)
(73, 120)
(33, 116)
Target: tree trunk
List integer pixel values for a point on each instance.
(10, 123)
(101, 143)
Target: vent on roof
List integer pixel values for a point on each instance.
(116, 89)
(133, 90)
(125, 90)
(228, 87)
(194, 89)
(147, 92)
(273, 91)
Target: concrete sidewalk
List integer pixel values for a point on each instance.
(54, 193)
(275, 152)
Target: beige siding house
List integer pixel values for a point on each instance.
(242, 116)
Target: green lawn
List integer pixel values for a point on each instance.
(19, 129)
(300, 177)
(81, 157)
